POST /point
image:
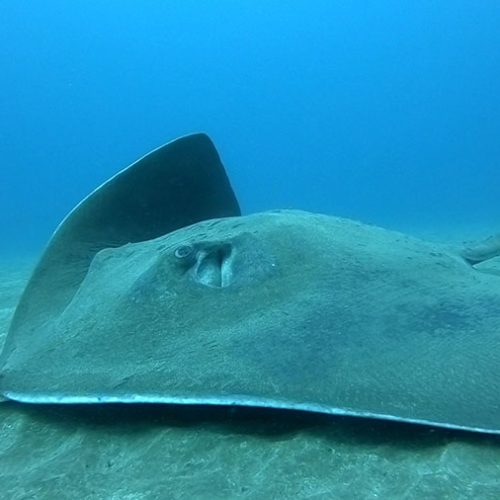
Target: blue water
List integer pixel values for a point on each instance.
(385, 111)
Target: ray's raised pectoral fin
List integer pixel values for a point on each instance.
(173, 186)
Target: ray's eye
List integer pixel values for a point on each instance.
(183, 251)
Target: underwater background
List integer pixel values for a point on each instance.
(383, 111)
(387, 112)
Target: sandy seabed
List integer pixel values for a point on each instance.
(162, 452)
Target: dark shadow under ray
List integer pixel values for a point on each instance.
(266, 423)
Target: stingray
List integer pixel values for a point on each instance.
(155, 289)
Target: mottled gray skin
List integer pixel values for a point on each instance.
(284, 309)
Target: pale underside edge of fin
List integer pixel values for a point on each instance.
(234, 400)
